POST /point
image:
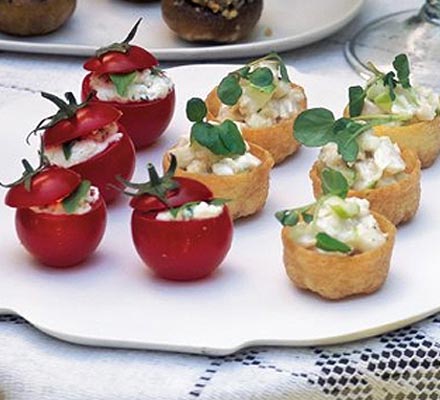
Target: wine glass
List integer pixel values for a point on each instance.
(414, 32)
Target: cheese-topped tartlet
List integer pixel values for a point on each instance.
(217, 155)
(263, 100)
(337, 247)
(407, 113)
(375, 168)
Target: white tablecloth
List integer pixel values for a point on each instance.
(400, 365)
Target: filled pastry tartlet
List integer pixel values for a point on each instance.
(179, 229)
(337, 247)
(406, 113)
(222, 21)
(88, 138)
(34, 17)
(128, 78)
(375, 168)
(60, 218)
(261, 98)
(217, 155)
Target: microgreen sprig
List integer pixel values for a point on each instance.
(333, 184)
(157, 186)
(29, 171)
(317, 126)
(66, 110)
(391, 79)
(221, 139)
(229, 90)
(120, 47)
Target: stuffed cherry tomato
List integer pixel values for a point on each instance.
(178, 229)
(60, 219)
(128, 77)
(88, 139)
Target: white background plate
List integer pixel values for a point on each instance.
(114, 301)
(97, 22)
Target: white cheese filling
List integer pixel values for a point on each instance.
(148, 85)
(258, 109)
(410, 103)
(348, 221)
(200, 210)
(84, 148)
(199, 160)
(84, 206)
(379, 162)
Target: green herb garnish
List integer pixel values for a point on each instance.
(334, 183)
(67, 149)
(72, 202)
(391, 79)
(122, 82)
(188, 206)
(328, 243)
(229, 90)
(317, 127)
(223, 139)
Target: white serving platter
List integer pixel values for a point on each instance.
(114, 301)
(97, 22)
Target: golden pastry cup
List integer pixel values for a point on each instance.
(336, 276)
(278, 139)
(247, 191)
(423, 137)
(397, 202)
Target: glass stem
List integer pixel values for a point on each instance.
(431, 11)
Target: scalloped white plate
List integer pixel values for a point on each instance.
(97, 22)
(114, 301)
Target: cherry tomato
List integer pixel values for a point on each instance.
(117, 62)
(145, 121)
(61, 240)
(80, 120)
(177, 250)
(57, 240)
(182, 250)
(118, 159)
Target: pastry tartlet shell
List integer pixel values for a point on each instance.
(247, 191)
(397, 202)
(278, 139)
(423, 137)
(336, 276)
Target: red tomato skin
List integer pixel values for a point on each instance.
(182, 250)
(61, 241)
(115, 62)
(118, 159)
(85, 121)
(145, 121)
(189, 190)
(49, 186)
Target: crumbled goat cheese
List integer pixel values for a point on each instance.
(85, 148)
(148, 85)
(201, 210)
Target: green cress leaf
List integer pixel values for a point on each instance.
(244, 71)
(208, 136)
(314, 127)
(307, 218)
(357, 97)
(122, 82)
(401, 65)
(67, 149)
(71, 203)
(261, 77)
(196, 110)
(229, 91)
(219, 202)
(327, 243)
(390, 81)
(334, 183)
(287, 217)
(231, 138)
